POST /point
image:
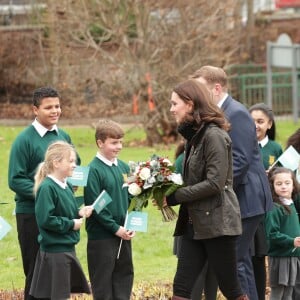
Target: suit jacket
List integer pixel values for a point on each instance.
(250, 181)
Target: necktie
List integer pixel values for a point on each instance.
(51, 132)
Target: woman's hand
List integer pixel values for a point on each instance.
(164, 204)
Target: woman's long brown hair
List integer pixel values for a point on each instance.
(204, 109)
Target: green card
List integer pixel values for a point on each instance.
(137, 221)
(80, 176)
(290, 158)
(102, 200)
(4, 228)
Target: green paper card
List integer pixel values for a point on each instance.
(290, 158)
(102, 200)
(80, 176)
(137, 221)
(4, 228)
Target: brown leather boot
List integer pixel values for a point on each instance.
(179, 298)
(242, 297)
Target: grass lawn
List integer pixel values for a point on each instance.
(152, 251)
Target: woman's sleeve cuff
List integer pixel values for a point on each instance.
(171, 200)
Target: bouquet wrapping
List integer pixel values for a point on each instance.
(153, 180)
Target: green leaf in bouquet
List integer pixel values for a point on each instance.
(132, 204)
(160, 191)
(172, 168)
(138, 202)
(171, 189)
(145, 203)
(158, 195)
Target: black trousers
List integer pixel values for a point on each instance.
(244, 255)
(27, 236)
(207, 283)
(220, 253)
(259, 268)
(111, 277)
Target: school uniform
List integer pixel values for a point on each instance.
(284, 259)
(270, 151)
(26, 153)
(111, 277)
(57, 271)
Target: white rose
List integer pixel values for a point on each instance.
(167, 162)
(147, 185)
(131, 164)
(149, 182)
(154, 163)
(134, 189)
(151, 179)
(145, 173)
(176, 178)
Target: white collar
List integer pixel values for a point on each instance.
(42, 130)
(220, 103)
(286, 201)
(61, 184)
(106, 161)
(264, 141)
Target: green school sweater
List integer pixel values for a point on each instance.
(110, 178)
(178, 163)
(270, 152)
(281, 230)
(26, 153)
(55, 209)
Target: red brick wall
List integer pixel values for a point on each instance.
(268, 28)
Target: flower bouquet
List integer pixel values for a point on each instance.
(153, 180)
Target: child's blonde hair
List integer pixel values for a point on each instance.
(108, 129)
(56, 151)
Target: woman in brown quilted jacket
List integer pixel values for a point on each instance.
(209, 216)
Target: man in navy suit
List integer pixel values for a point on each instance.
(250, 182)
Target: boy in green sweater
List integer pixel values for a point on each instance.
(27, 152)
(111, 272)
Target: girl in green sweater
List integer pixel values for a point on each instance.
(283, 236)
(57, 271)
(270, 150)
(265, 132)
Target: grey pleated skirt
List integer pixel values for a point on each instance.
(284, 271)
(57, 275)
